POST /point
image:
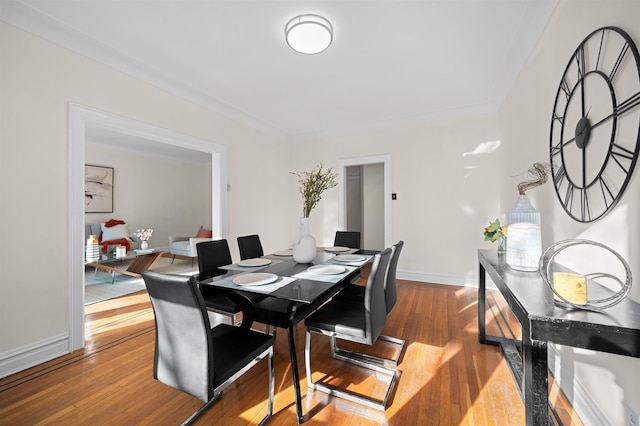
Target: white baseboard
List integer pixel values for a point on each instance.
(448, 279)
(33, 354)
(581, 400)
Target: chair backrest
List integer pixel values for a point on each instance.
(211, 256)
(250, 247)
(184, 350)
(347, 239)
(374, 298)
(390, 290)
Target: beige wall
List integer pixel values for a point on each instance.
(38, 80)
(524, 128)
(446, 194)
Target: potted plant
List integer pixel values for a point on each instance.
(311, 186)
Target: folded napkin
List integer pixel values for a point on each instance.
(331, 278)
(265, 288)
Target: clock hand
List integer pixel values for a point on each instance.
(582, 93)
(567, 142)
(603, 120)
(625, 106)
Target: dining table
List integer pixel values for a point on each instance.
(291, 290)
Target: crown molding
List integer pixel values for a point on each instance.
(42, 25)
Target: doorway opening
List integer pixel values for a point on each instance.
(364, 190)
(80, 120)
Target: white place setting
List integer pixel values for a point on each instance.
(259, 282)
(350, 259)
(250, 265)
(325, 272)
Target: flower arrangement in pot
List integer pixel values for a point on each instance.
(311, 186)
(496, 232)
(525, 229)
(144, 235)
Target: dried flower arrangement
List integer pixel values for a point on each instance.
(313, 184)
(538, 175)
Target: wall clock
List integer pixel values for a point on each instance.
(595, 127)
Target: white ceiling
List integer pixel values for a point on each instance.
(391, 62)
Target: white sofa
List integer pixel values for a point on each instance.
(186, 246)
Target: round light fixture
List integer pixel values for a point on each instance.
(309, 34)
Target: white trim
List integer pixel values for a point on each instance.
(79, 118)
(447, 279)
(580, 399)
(342, 193)
(33, 354)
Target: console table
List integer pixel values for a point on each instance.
(615, 330)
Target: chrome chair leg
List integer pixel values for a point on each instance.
(350, 396)
(201, 410)
(336, 350)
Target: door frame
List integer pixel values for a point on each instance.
(80, 118)
(385, 159)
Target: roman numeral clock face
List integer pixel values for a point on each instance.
(595, 128)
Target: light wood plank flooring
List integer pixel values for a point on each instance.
(448, 378)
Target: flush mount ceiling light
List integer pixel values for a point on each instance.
(309, 34)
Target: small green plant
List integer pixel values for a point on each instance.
(495, 232)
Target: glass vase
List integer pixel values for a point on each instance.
(502, 245)
(525, 237)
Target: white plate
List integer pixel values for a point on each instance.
(284, 253)
(258, 261)
(256, 278)
(327, 269)
(349, 258)
(337, 249)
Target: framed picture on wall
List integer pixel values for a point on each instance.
(98, 189)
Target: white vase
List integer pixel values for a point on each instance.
(144, 245)
(524, 246)
(304, 246)
(93, 249)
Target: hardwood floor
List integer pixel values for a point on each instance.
(448, 378)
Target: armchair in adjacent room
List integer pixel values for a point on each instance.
(186, 246)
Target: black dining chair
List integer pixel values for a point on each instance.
(357, 322)
(349, 239)
(211, 256)
(250, 247)
(193, 357)
(357, 293)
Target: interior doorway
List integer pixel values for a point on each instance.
(364, 186)
(81, 119)
(365, 203)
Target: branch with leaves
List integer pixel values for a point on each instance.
(313, 184)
